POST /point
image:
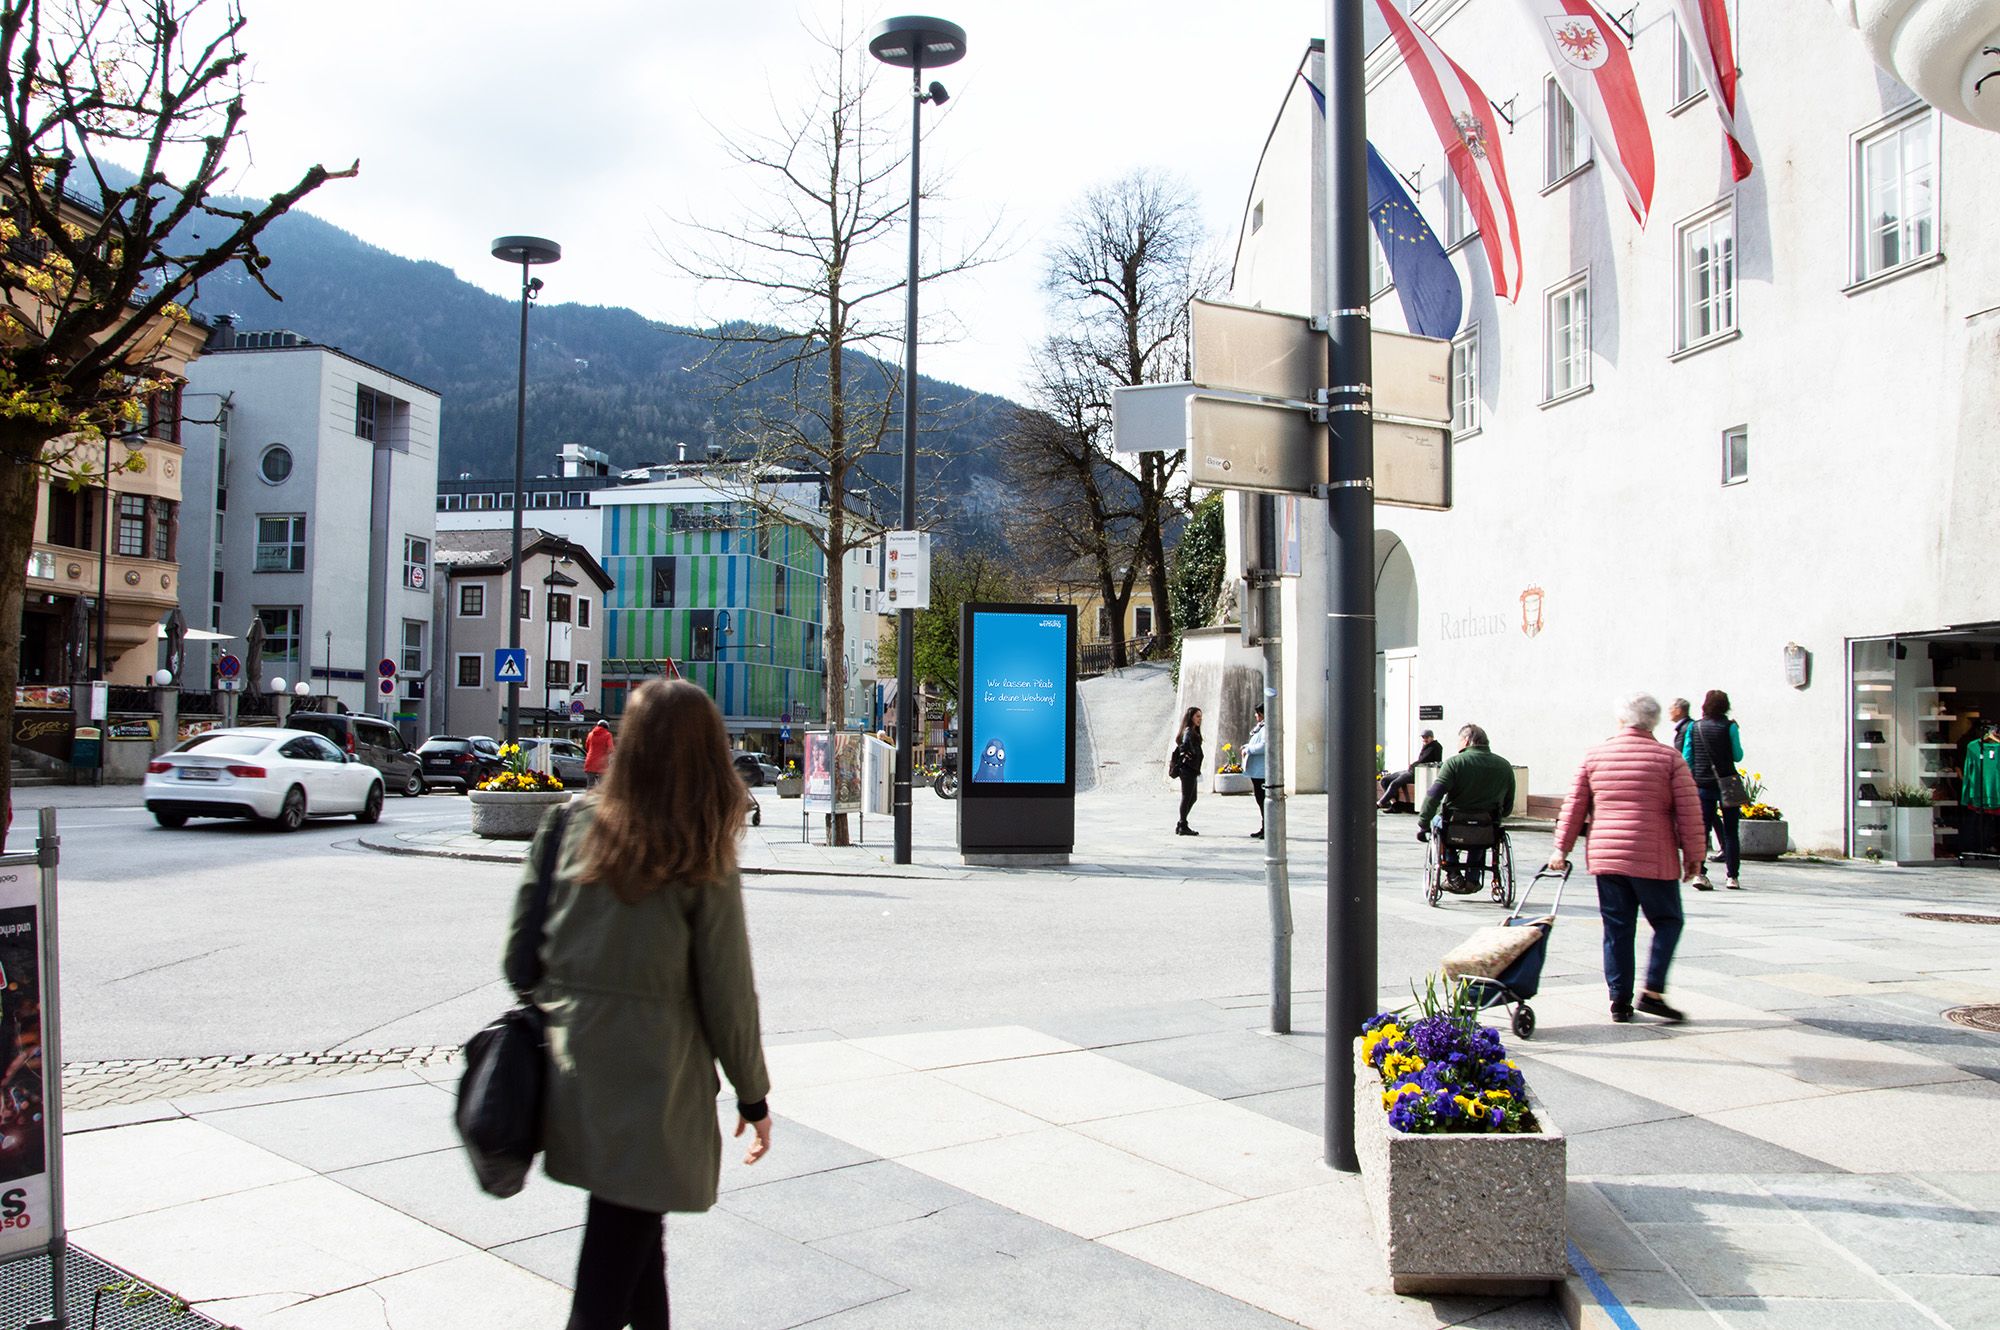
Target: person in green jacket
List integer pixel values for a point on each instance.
(646, 984)
(1475, 779)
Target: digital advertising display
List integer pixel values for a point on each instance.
(1019, 703)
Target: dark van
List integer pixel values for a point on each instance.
(375, 742)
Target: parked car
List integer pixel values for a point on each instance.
(282, 776)
(453, 762)
(565, 758)
(376, 742)
(754, 768)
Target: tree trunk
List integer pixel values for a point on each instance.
(1152, 546)
(20, 486)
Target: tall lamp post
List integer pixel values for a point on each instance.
(914, 43)
(526, 251)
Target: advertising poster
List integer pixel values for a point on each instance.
(24, 1165)
(1019, 707)
(847, 771)
(817, 791)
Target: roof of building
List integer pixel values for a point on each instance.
(464, 552)
(279, 341)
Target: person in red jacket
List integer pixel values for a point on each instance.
(1645, 840)
(597, 746)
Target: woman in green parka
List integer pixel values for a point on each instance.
(646, 984)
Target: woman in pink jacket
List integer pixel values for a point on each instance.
(1646, 838)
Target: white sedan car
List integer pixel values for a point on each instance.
(281, 776)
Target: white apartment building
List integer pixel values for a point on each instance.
(309, 505)
(1751, 446)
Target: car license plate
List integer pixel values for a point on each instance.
(198, 773)
(439, 762)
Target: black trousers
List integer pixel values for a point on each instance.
(1189, 780)
(1257, 789)
(621, 1277)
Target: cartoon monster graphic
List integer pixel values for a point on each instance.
(992, 761)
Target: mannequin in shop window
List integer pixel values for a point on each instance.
(1979, 788)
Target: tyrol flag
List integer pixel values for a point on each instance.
(1470, 131)
(1595, 73)
(1705, 25)
(1427, 284)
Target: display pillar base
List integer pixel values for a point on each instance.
(1057, 859)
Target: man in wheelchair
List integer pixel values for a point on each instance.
(1474, 780)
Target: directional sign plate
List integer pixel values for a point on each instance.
(1412, 464)
(1150, 417)
(1256, 351)
(1240, 444)
(510, 665)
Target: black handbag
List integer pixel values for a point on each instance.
(1729, 785)
(499, 1112)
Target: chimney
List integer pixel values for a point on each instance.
(682, 449)
(223, 335)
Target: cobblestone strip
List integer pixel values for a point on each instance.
(138, 1080)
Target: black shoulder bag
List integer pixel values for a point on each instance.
(1728, 784)
(499, 1113)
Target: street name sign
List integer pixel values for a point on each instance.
(510, 665)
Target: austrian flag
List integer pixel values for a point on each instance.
(1595, 73)
(1470, 133)
(1705, 25)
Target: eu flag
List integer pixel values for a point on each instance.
(1433, 302)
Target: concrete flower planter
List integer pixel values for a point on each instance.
(1231, 782)
(1462, 1214)
(790, 787)
(1912, 835)
(1762, 838)
(511, 814)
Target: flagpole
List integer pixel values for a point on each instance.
(1350, 688)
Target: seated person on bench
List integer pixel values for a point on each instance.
(1392, 788)
(1475, 779)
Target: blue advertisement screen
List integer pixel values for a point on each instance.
(1020, 699)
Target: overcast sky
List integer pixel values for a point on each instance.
(595, 123)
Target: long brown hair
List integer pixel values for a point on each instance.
(672, 805)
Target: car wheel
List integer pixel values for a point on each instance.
(371, 807)
(292, 815)
(414, 786)
(171, 821)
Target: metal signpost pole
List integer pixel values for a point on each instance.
(1277, 870)
(1350, 688)
(48, 853)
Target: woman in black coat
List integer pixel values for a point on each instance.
(1187, 745)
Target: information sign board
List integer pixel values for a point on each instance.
(906, 570)
(1017, 729)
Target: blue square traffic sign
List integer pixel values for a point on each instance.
(510, 665)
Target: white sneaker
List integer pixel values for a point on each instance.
(1701, 883)
(1732, 884)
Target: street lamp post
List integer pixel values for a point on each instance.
(526, 251)
(914, 43)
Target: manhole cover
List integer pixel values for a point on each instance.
(1957, 918)
(1985, 1017)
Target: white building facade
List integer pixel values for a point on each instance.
(309, 505)
(1751, 446)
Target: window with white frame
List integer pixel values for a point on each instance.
(1142, 620)
(416, 562)
(413, 646)
(1706, 277)
(1465, 381)
(365, 413)
(1687, 73)
(1895, 186)
(471, 670)
(281, 632)
(1566, 147)
(1736, 455)
(1567, 353)
(1458, 224)
(1379, 277)
(281, 543)
(472, 600)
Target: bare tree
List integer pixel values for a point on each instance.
(1130, 257)
(94, 277)
(1072, 505)
(822, 257)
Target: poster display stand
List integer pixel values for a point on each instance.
(1017, 733)
(832, 783)
(31, 1188)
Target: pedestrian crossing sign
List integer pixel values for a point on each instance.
(510, 665)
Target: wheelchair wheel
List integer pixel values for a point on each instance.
(1433, 871)
(1503, 873)
(1524, 1021)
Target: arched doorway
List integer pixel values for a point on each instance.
(1396, 719)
